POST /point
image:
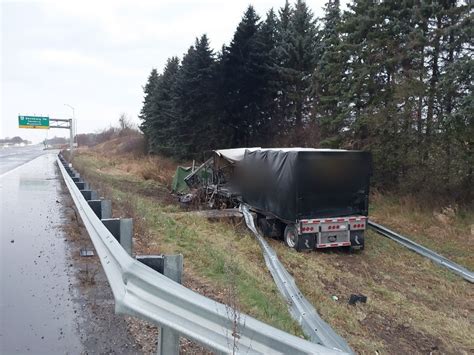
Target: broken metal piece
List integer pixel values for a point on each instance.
(357, 298)
(87, 252)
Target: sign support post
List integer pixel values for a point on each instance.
(40, 122)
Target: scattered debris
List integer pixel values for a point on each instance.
(229, 214)
(447, 214)
(87, 252)
(335, 298)
(357, 298)
(186, 198)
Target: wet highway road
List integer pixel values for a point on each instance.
(13, 157)
(37, 314)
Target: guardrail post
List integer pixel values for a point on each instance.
(122, 230)
(170, 266)
(81, 185)
(168, 339)
(90, 194)
(102, 208)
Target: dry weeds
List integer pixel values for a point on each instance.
(445, 229)
(155, 168)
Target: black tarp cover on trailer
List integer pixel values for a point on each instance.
(298, 183)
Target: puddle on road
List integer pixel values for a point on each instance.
(38, 314)
(34, 184)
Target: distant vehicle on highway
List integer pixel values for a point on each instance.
(312, 198)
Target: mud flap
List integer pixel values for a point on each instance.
(357, 240)
(306, 242)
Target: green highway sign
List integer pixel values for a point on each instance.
(33, 122)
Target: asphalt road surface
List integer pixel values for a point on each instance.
(36, 309)
(44, 308)
(13, 157)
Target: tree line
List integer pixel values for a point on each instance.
(392, 77)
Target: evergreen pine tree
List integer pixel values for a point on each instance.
(147, 110)
(243, 82)
(283, 115)
(456, 103)
(196, 129)
(298, 57)
(162, 122)
(268, 125)
(373, 35)
(329, 80)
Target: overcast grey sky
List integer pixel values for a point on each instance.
(97, 55)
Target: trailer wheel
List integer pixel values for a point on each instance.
(270, 227)
(291, 236)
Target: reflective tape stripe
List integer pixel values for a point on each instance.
(333, 220)
(329, 245)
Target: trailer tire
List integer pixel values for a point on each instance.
(263, 225)
(270, 227)
(291, 236)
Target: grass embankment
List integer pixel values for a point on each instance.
(448, 230)
(413, 305)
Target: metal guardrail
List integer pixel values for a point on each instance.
(142, 292)
(417, 248)
(301, 310)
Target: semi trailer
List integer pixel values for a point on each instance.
(312, 198)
